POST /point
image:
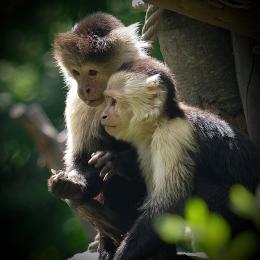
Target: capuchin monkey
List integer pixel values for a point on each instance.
(97, 164)
(183, 152)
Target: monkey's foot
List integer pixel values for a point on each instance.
(67, 185)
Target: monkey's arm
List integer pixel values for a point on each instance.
(122, 163)
(83, 179)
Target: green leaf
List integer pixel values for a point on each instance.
(242, 247)
(171, 228)
(196, 211)
(242, 201)
(217, 235)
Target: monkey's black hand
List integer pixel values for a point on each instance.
(104, 160)
(67, 185)
(73, 185)
(106, 249)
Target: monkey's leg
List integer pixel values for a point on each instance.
(142, 243)
(107, 248)
(107, 221)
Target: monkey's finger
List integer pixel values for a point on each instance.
(109, 175)
(97, 152)
(105, 170)
(95, 156)
(103, 160)
(57, 175)
(53, 172)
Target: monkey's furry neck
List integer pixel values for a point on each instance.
(166, 162)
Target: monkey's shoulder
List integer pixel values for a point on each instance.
(210, 126)
(223, 148)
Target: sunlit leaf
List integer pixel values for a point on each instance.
(257, 207)
(196, 211)
(242, 247)
(171, 228)
(196, 215)
(242, 201)
(217, 234)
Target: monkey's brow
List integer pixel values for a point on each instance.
(107, 99)
(110, 93)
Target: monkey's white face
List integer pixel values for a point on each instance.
(91, 82)
(134, 103)
(116, 116)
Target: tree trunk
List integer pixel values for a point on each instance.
(201, 58)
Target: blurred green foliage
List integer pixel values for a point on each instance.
(246, 204)
(35, 224)
(202, 230)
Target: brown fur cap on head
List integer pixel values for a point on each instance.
(89, 40)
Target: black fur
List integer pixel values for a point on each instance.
(226, 157)
(224, 160)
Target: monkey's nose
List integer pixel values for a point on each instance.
(103, 116)
(83, 93)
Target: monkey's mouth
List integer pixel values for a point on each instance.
(109, 129)
(109, 126)
(94, 103)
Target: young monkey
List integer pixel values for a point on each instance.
(87, 55)
(183, 152)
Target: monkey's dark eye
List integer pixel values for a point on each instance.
(92, 72)
(113, 102)
(75, 73)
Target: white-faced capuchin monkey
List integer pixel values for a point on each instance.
(87, 55)
(183, 152)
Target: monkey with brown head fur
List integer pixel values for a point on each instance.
(183, 152)
(94, 49)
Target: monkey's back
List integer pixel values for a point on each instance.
(226, 157)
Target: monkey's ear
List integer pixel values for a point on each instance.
(134, 30)
(152, 83)
(128, 36)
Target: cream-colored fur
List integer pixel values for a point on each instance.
(82, 124)
(164, 145)
(82, 121)
(129, 42)
(144, 94)
(172, 166)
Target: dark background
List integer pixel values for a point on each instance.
(35, 225)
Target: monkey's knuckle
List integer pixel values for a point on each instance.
(110, 165)
(109, 154)
(104, 255)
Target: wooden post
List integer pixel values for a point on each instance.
(243, 21)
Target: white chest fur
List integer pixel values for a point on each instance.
(166, 163)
